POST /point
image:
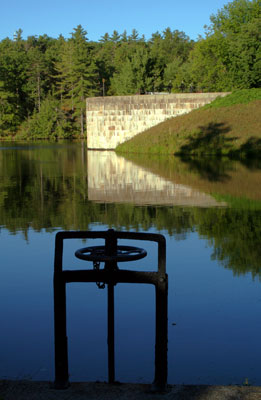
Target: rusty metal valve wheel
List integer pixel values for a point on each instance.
(124, 253)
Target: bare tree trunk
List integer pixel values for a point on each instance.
(38, 91)
(72, 96)
(82, 123)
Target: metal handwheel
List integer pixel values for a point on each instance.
(98, 253)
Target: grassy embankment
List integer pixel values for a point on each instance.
(228, 126)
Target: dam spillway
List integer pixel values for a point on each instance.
(114, 119)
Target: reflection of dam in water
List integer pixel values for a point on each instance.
(112, 179)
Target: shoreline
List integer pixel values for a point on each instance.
(43, 390)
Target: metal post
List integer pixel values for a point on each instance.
(111, 351)
(60, 337)
(111, 249)
(161, 342)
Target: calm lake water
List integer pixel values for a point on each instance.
(208, 210)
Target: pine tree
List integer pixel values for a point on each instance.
(12, 81)
(115, 36)
(77, 74)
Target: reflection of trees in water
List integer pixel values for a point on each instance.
(235, 235)
(210, 169)
(253, 164)
(219, 176)
(48, 190)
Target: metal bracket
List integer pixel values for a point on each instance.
(111, 253)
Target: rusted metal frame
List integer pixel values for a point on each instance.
(61, 350)
(159, 279)
(118, 276)
(104, 234)
(161, 337)
(110, 333)
(110, 278)
(60, 332)
(111, 268)
(152, 237)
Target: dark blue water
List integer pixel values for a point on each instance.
(214, 305)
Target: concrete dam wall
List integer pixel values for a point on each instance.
(113, 120)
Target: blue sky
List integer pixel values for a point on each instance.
(54, 17)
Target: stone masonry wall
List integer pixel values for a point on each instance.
(113, 120)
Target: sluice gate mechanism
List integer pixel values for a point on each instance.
(110, 254)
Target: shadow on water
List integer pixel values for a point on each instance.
(222, 176)
(252, 147)
(216, 168)
(209, 168)
(253, 164)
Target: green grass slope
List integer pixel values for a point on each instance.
(228, 126)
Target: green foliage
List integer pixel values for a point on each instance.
(133, 76)
(13, 99)
(77, 75)
(230, 55)
(50, 122)
(239, 203)
(245, 55)
(36, 73)
(234, 15)
(69, 70)
(8, 116)
(242, 96)
(208, 64)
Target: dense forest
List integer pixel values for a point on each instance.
(44, 81)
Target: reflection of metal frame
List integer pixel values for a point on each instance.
(110, 275)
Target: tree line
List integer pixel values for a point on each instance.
(44, 81)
